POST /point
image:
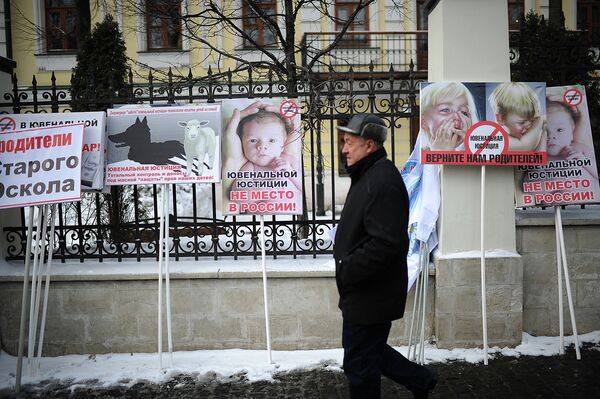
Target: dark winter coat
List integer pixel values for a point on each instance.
(371, 243)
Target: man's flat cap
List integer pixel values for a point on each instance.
(367, 126)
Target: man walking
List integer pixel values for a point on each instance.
(370, 249)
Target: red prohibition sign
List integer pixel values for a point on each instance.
(288, 109)
(573, 97)
(7, 123)
(488, 130)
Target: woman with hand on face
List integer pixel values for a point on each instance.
(447, 112)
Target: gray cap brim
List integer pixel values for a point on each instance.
(347, 130)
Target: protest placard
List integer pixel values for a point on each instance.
(483, 123)
(262, 154)
(94, 138)
(150, 145)
(571, 175)
(40, 166)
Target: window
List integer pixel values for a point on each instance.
(61, 21)
(254, 27)
(588, 16)
(516, 13)
(343, 12)
(163, 24)
(422, 45)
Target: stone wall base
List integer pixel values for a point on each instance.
(458, 313)
(207, 313)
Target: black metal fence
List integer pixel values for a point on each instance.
(85, 231)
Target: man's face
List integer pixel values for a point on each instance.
(355, 148)
(263, 142)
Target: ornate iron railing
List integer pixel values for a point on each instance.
(360, 49)
(324, 99)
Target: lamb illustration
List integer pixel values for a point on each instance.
(198, 142)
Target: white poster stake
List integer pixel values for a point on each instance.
(20, 350)
(168, 276)
(47, 288)
(161, 211)
(39, 278)
(163, 254)
(425, 271)
(483, 286)
(412, 318)
(568, 282)
(416, 306)
(34, 276)
(561, 344)
(265, 293)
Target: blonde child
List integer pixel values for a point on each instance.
(447, 111)
(517, 108)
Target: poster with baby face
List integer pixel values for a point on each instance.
(571, 175)
(483, 123)
(262, 157)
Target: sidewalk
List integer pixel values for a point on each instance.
(504, 377)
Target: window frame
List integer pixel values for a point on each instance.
(586, 7)
(353, 40)
(164, 25)
(259, 25)
(49, 29)
(516, 4)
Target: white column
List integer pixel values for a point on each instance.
(468, 41)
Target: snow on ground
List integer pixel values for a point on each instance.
(127, 369)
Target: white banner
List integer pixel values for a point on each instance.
(94, 139)
(40, 166)
(423, 185)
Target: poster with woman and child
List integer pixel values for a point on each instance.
(571, 175)
(262, 157)
(483, 123)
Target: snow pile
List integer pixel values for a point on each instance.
(125, 368)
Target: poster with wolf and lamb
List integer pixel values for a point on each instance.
(154, 145)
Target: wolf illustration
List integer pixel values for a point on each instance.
(141, 147)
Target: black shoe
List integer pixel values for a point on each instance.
(423, 393)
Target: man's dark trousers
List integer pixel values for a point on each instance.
(367, 357)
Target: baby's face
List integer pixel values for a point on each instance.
(263, 142)
(448, 108)
(560, 131)
(517, 125)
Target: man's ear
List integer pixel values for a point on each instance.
(499, 119)
(371, 146)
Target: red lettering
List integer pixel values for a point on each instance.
(529, 187)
